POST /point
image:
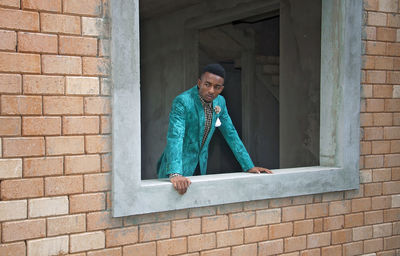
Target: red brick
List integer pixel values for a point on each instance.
(121, 236)
(16, 19)
(96, 66)
(64, 185)
(380, 147)
(214, 223)
(352, 249)
(318, 240)
(393, 49)
(382, 230)
(229, 238)
(362, 233)
(388, 6)
(373, 245)
(82, 46)
(312, 252)
(21, 105)
(97, 105)
(395, 146)
(14, 147)
(295, 243)
(391, 242)
(392, 160)
(13, 249)
(41, 126)
(280, 230)
(375, 105)
(57, 64)
(366, 119)
(10, 83)
(185, 227)
(255, 234)
(145, 249)
(19, 62)
(332, 223)
(87, 241)
(60, 23)
(8, 40)
(156, 231)
(381, 175)
(383, 91)
(87, 202)
(383, 119)
(105, 124)
(43, 5)
(373, 189)
(303, 227)
(373, 217)
(102, 220)
(316, 210)
(22, 230)
(87, 8)
(97, 182)
(270, 247)
(381, 202)
(249, 250)
(390, 215)
(82, 85)
(10, 3)
(38, 43)
(65, 145)
(354, 220)
(392, 105)
(342, 236)
(106, 252)
(377, 19)
(243, 219)
(375, 48)
(384, 63)
(36, 84)
(172, 246)
(82, 164)
(373, 161)
(10, 126)
(46, 166)
(202, 242)
(386, 34)
(22, 188)
(59, 105)
(390, 188)
(268, 216)
(66, 224)
(362, 204)
(293, 213)
(106, 162)
(332, 251)
(373, 133)
(391, 133)
(98, 144)
(318, 225)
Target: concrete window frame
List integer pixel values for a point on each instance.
(339, 124)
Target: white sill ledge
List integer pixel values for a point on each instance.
(159, 195)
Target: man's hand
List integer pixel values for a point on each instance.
(180, 183)
(259, 170)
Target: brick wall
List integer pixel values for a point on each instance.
(55, 161)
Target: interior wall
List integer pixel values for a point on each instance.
(300, 37)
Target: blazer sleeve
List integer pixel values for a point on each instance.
(176, 132)
(232, 138)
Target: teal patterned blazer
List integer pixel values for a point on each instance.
(185, 133)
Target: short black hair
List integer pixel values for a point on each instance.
(215, 69)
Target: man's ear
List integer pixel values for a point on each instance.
(198, 83)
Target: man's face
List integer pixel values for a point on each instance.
(210, 86)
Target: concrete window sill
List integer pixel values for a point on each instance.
(339, 124)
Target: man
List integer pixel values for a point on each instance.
(192, 121)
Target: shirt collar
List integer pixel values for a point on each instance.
(205, 103)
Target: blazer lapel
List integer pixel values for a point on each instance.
(200, 113)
